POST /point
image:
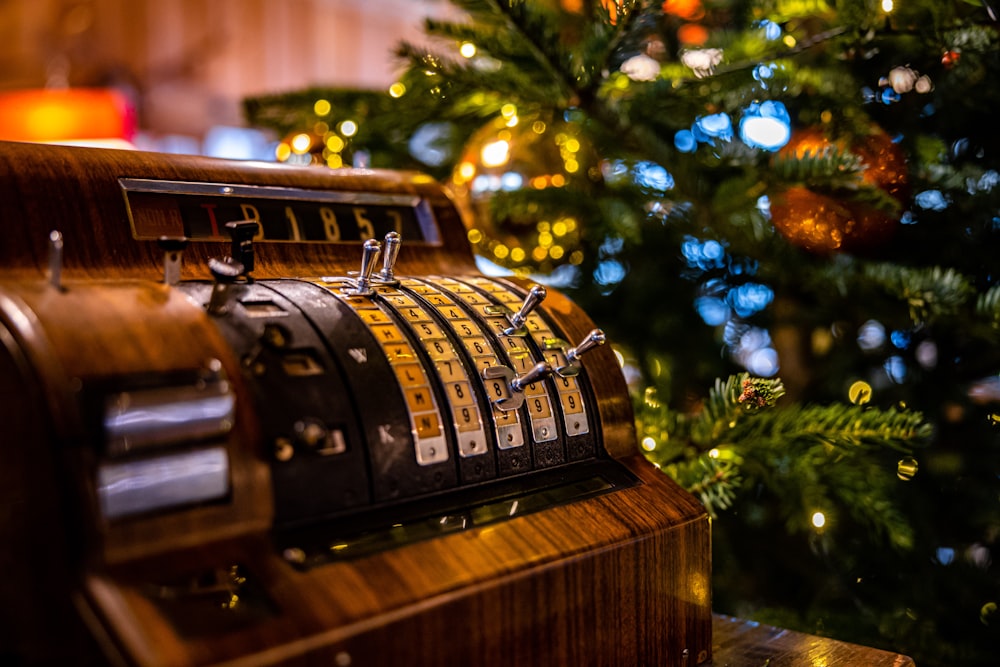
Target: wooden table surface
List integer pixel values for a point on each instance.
(740, 643)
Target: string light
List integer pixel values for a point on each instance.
(301, 143)
(348, 128)
(495, 153)
(818, 520)
(860, 392)
(322, 107)
(335, 143)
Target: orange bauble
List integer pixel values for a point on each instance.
(824, 224)
(811, 221)
(883, 161)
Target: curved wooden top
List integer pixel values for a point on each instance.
(76, 191)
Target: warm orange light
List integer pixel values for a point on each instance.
(692, 34)
(73, 114)
(685, 9)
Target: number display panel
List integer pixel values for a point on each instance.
(374, 400)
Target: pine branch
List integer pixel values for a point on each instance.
(836, 426)
(534, 29)
(713, 481)
(834, 482)
(444, 78)
(728, 401)
(988, 306)
(830, 167)
(931, 293)
(810, 457)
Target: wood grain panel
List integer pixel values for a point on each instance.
(560, 587)
(742, 643)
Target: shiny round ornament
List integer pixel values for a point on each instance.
(810, 220)
(825, 224)
(511, 179)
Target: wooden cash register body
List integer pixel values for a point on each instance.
(593, 558)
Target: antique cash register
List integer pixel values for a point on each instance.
(253, 414)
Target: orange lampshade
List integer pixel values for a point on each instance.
(71, 114)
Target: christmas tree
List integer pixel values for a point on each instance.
(786, 215)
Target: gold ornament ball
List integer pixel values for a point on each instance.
(510, 172)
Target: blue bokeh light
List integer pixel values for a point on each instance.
(721, 303)
(888, 96)
(511, 181)
(895, 367)
(685, 142)
(654, 176)
(764, 205)
(712, 310)
(609, 273)
(763, 362)
(989, 180)
(611, 246)
(750, 298)
(900, 339)
(766, 125)
(871, 336)
(772, 30)
(931, 200)
(704, 255)
(714, 126)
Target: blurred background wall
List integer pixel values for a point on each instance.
(187, 64)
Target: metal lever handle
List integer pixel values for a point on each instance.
(515, 384)
(173, 251)
(595, 338)
(391, 245)
(242, 233)
(538, 371)
(517, 320)
(224, 274)
(369, 255)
